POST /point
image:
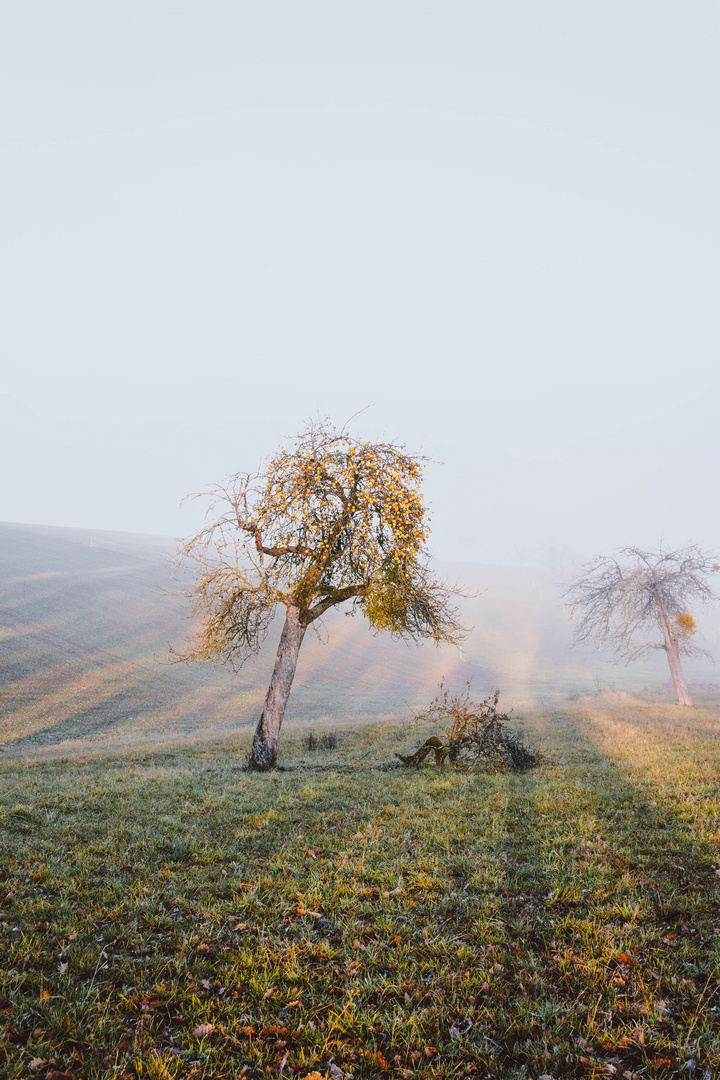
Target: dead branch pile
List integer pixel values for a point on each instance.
(472, 735)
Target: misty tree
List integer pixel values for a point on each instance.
(330, 521)
(638, 601)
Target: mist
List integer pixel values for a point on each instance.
(489, 233)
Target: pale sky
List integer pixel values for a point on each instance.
(495, 225)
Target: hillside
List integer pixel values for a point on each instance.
(86, 620)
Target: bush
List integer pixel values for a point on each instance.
(472, 734)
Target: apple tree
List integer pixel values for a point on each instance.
(330, 521)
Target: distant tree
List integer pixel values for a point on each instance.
(638, 600)
(331, 520)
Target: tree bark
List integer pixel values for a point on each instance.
(263, 756)
(673, 655)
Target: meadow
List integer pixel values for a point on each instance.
(167, 914)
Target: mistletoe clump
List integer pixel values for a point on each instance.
(471, 734)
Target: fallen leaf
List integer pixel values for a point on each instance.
(268, 993)
(37, 1063)
(206, 985)
(62, 968)
(44, 995)
(202, 1030)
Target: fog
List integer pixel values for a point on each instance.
(493, 231)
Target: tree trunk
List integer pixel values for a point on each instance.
(264, 750)
(672, 650)
(673, 655)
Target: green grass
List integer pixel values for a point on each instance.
(171, 915)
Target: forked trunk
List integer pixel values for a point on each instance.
(263, 756)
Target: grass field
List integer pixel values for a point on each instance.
(170, 915)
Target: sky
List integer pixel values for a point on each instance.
(492, 230)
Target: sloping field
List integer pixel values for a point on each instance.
(86, 620)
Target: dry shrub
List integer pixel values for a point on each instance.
(473, 734)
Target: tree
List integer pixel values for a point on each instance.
(330, 521)
(638, 601)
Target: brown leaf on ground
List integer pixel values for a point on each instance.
(202, 1030)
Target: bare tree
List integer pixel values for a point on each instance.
(638, 600)
(331, 520)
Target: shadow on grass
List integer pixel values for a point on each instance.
(619, 894)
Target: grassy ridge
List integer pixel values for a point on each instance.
(171, 915)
